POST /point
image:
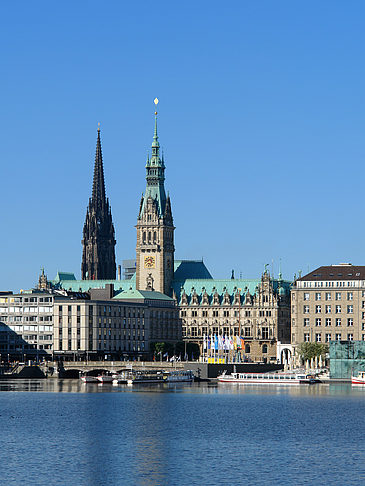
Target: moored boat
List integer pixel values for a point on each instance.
(359, 379)
(175, 376)
(89, 379)
(105, 379)
(268, 378)
(179, 375)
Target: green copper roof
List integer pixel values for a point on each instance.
(155, 177)
(85, 285)
(221, 286)
(64, 276)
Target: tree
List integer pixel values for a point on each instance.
(311, 350)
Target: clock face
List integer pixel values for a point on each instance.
(149, 262)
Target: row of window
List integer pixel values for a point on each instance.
(20, 329)
(226, 313)
(263, 332)
(328, 309)
(328, 322)
(329, 337)
(26, 319)
(27, 300)
(328, 295)
(26, 309)
(349, 283)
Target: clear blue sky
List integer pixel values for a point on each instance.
(261, 119)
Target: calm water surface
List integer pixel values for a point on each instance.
(63, 432)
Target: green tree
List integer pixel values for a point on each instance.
(311, 350)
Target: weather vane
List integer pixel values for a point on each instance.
(156, 103)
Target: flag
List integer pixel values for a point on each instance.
(231, 345)
(208, 342)
(220, 342)
(204, 342)
(215, 342)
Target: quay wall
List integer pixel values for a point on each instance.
(211, 370)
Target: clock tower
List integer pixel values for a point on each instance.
(155, 228)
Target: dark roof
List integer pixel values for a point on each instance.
(336, 272)
(195, 269)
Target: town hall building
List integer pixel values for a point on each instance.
(200, 307)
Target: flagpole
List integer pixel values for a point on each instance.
(239, 320)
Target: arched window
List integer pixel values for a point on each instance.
(144, 237)
(154, 236)
(264, 348)
(247, 348)
(149, 236)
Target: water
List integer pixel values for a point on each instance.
(62, 432)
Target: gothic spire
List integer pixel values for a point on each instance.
(98, 257)
(98, 194)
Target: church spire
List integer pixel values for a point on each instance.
(98, 194)
(98, 257)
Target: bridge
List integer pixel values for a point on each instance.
(74, 368)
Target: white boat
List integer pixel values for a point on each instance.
(104, 379)
(175, 376)
(121, 378)
(359, 379)
(89, 379)
(267, 378)
(179, 375)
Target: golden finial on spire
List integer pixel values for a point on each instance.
(98, 126)
(156, 103)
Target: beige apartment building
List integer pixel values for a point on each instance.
(328, 304)
(101, 322)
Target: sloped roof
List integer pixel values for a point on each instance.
(193, 269)
(85, 285)
(141, 295)
(221, 286)
(64, 276)
(336, 272)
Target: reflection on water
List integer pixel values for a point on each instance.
(54, 385)
(61, 432)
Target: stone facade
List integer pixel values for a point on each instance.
(256, 310)
(328, 304)
(155, 229)
(118, 324)
(100, 327)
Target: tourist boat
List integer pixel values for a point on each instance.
(179, 375)
(104, 379)
(89, 379)
(175, 376)
(359, 379)
(267, 378)
(122, 377)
